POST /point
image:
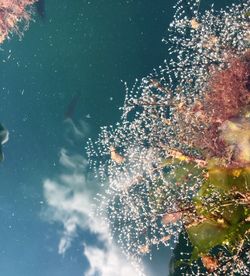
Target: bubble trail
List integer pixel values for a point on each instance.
(177, 160)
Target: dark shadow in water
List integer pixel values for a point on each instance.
(70, 110)
(40, 8)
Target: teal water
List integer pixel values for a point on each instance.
(80, 47)
(84, 47)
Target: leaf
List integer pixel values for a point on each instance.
(206, 235)
(181, 171)
(225, 219)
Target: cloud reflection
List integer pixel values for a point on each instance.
(69, 198)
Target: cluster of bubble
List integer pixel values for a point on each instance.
(134, 158)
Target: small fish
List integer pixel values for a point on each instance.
(70, 110)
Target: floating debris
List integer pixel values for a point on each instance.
(194, 24)
(115, 156)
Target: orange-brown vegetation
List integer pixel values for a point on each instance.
(226, 97)
(12, 12)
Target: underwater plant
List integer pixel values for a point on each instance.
(176, 168)
(14, 17)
